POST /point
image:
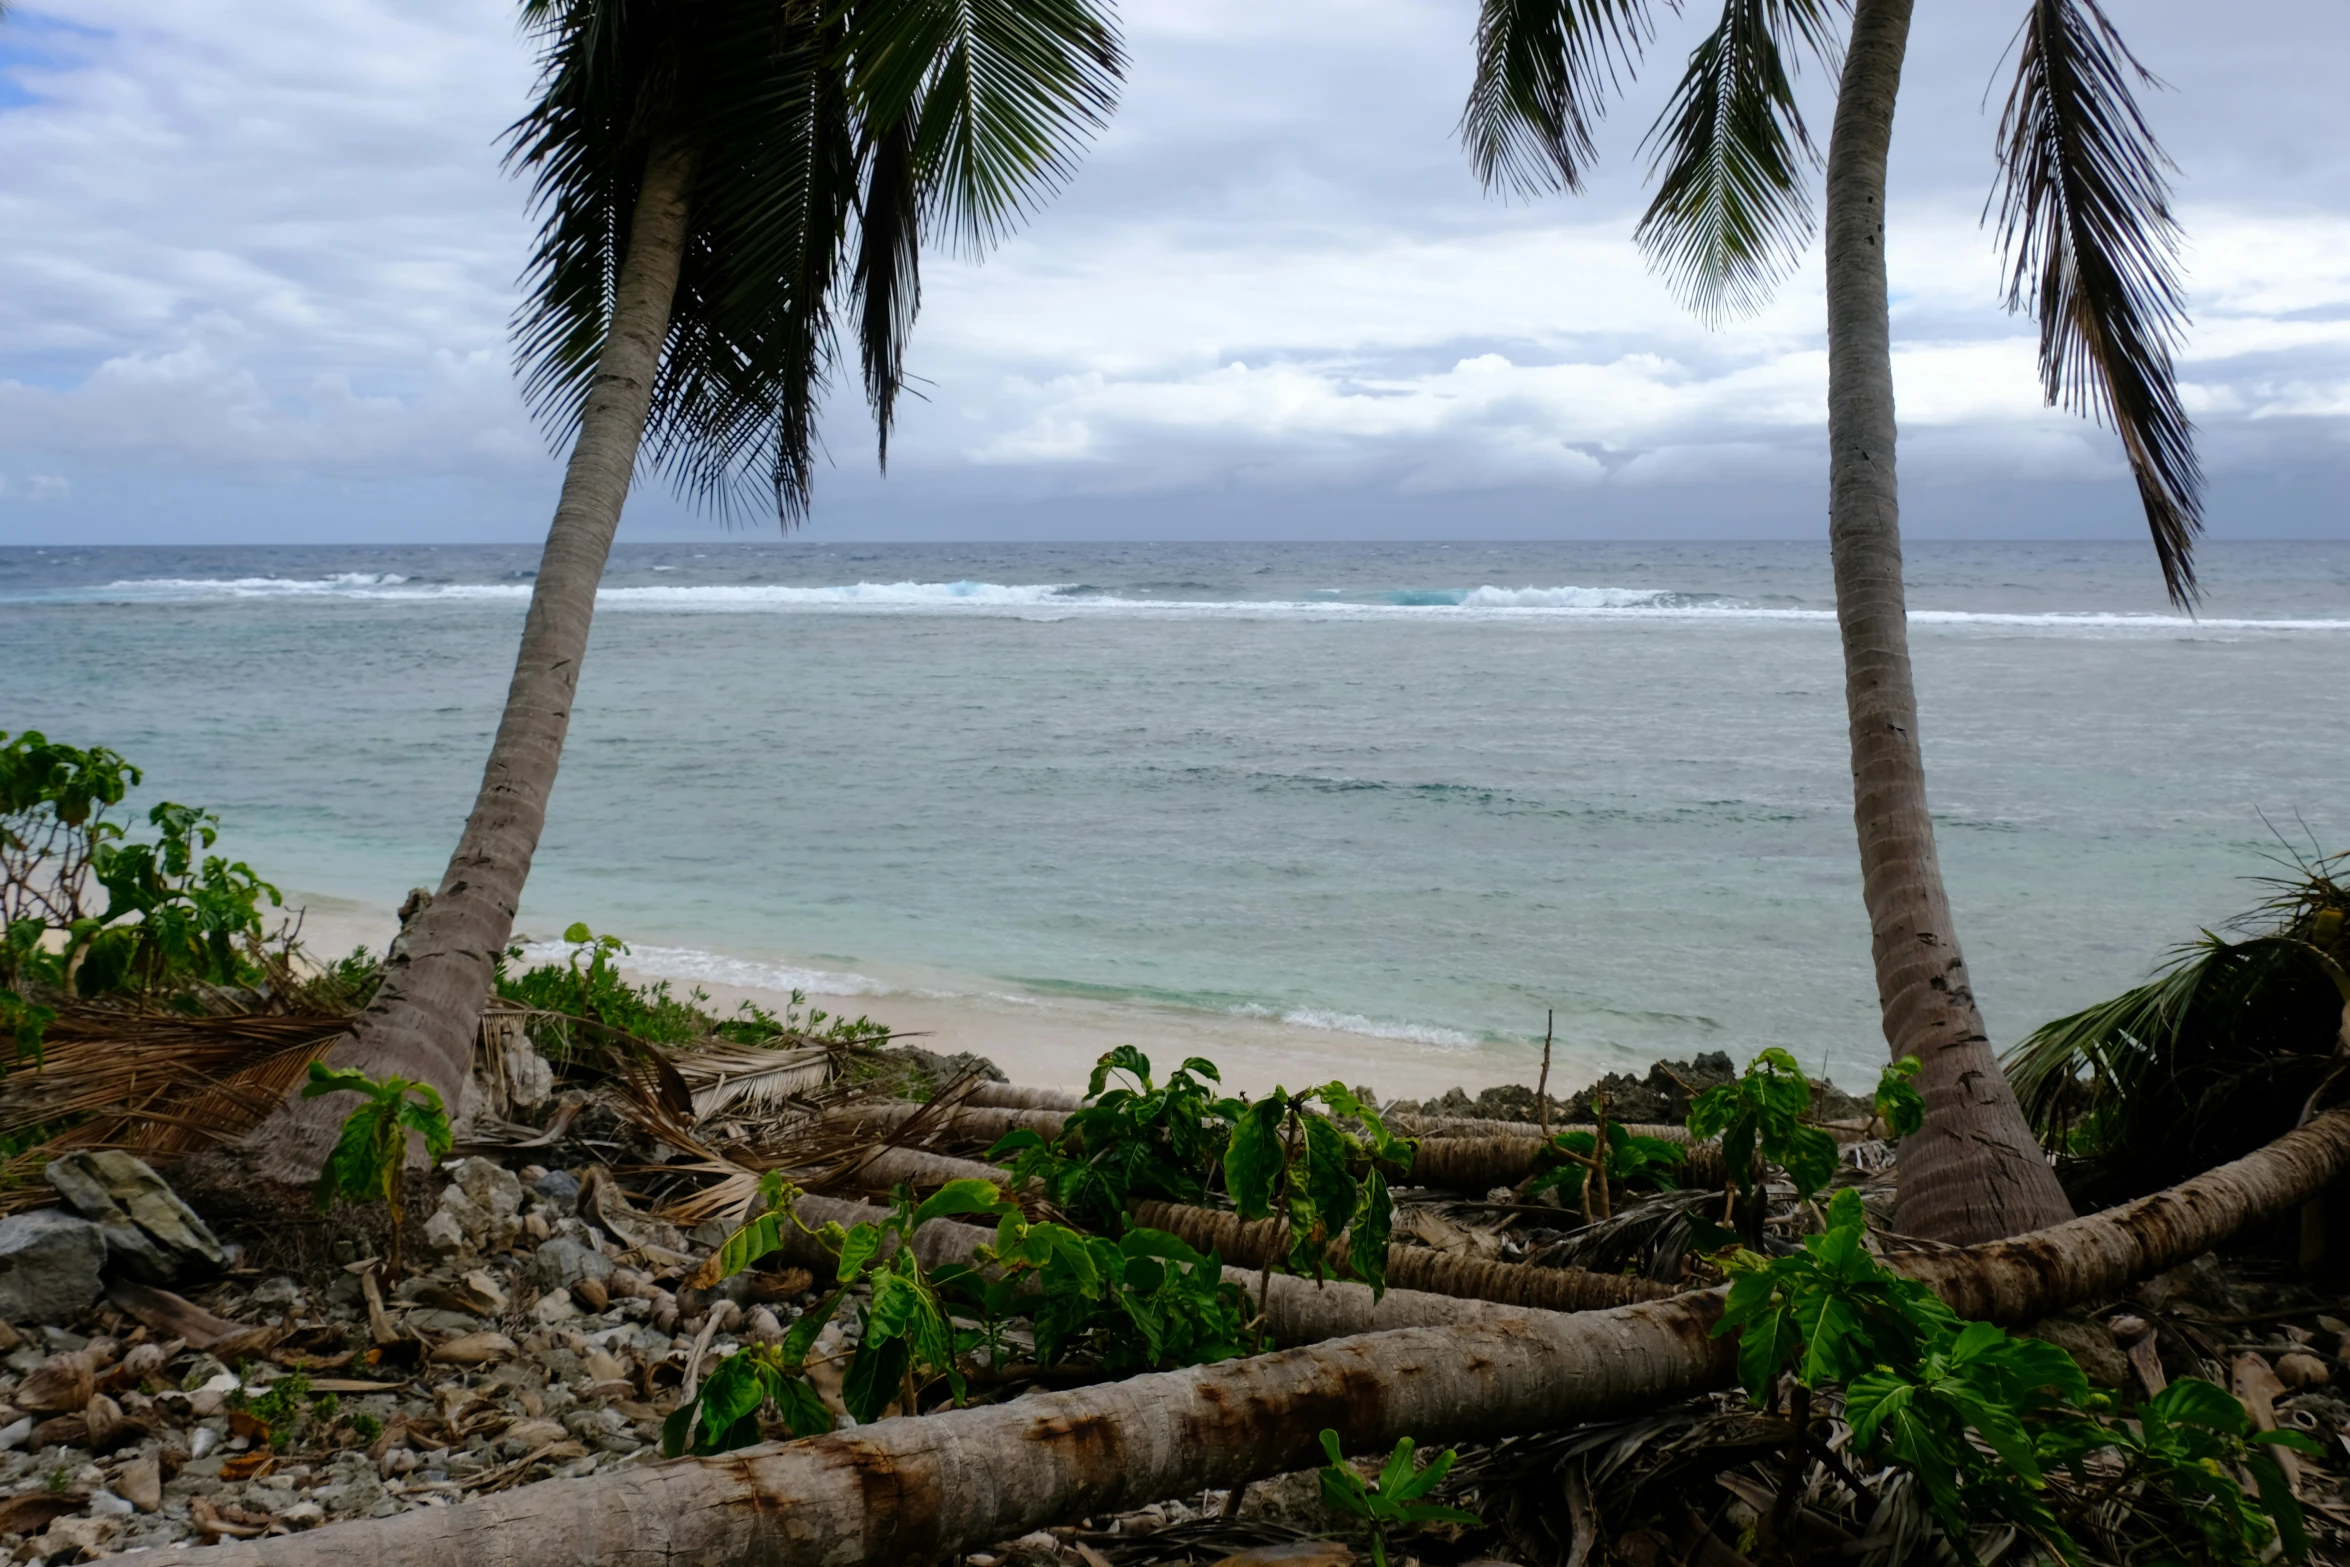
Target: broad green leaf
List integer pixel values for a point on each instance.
(857, 1248)
(1255, 1160)
(875, 1378)
(965, 1196)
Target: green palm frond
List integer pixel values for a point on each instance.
(1732, 212)
(2092, 250)
(1544, 70)
(2219, 1052)
(828, 141)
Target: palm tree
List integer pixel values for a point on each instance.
(2085, 221)
(716, 178)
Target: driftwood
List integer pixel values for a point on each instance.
(913, 1489)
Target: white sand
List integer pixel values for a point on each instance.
(1054, 1041)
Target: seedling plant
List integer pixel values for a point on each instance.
(370, 1158)
(1391, 1501)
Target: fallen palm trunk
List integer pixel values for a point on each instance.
(1478, 1164)
(1297, 1311)
(1014, 1096)
(1449, 1156)
(1417, 1268)
(912, 1489)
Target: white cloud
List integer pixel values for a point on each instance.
(260, 243)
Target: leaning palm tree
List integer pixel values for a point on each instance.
(2085, 221)
(717, 178)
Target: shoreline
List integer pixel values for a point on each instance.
(1053, 1041)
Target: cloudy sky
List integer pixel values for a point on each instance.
(257, 260)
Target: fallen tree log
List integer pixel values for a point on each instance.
(1449, 1155)
(913, 1489)
(1418, 1268)
(1297, 1311)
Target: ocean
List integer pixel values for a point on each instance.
(1419, 794)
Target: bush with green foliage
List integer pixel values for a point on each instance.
(1394, 1499)
(174, 916)
(1760, 1116)
(1983, 1419)
(1291, 1155)
(1130, 1139)
(587, 988)
(1142, 1302)
(369, 1161)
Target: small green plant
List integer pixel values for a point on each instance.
(1898, 1104)
(284, 1408)
(1290, 1156)
(58, 1480)
(1392, 1500)
(369, 1160)
(366, 1427)
(1131, 1139)
(1760, 1116)
(1583, 1171)
(1981, 1418)
(1145, 1301)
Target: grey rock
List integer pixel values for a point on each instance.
(481, 1206)
(563, 1262)
(559, 1187)
(49, 1262)
(150, 1233)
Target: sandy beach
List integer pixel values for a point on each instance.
(1054, 1041)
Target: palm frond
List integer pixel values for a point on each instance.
(1544, 70)
(1732, 212)
(826, 140)
(2222, 1050)
(756, 1078)
(2092, 250)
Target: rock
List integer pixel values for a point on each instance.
(1034, 1550)
(2300, 1369)
(105, 1504)
(13, 1435)
(62, 1382)
(533, 1434)
(109, 1427)
(563, 1262)
(303, 1515)
(559, 1187)
(591, 1295)
(88, 1536)
(552, 1309)
(764, 1327)
(2089, 1344)
(143, 1361)
(484, 1202)
(141, 1484)
(443, 1233)
(49, 1262)
(150, 1233)
(534, 1226)
(602, 1366)
(276, 1294)
(486, 1294)
(10, 1339)
(474, 1349)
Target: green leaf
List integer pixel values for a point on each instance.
(2284, 1509)
(804, 1414)
(1254, 1162)
(858, 1247)
(965, 1196)
(1898, 1102)
(875, 1377)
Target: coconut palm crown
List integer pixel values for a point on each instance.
(829, 141)
(2083, 195)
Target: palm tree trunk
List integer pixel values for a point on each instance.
(422, 1022)
(1974, 1173)
(911, 1490)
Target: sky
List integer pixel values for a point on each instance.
(258, 259)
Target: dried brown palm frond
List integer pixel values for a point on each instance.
(2092, 248)
(158, 1084)
(752, 1079)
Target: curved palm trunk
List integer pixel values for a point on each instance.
(912, 1490)
(1975, 1173)
(421, 1024)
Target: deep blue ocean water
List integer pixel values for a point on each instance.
(1423, 791)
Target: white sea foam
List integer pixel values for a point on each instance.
(692, 964)
(1060, 600)
(1353, 1023)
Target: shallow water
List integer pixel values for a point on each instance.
(1418, 791)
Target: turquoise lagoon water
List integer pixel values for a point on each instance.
(1423, 791)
